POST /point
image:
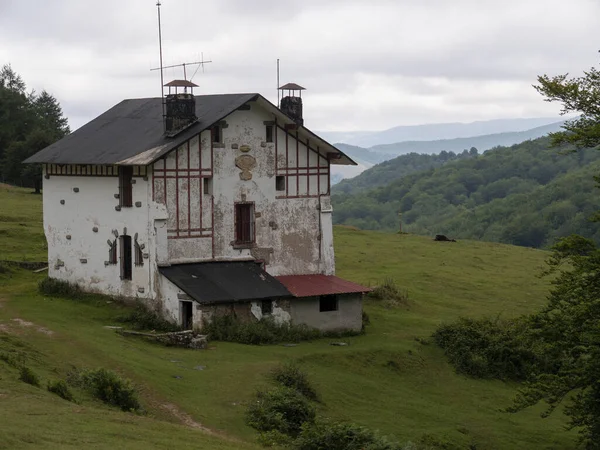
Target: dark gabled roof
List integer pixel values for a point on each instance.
(131, 133)
(223, 282)
(133, 127)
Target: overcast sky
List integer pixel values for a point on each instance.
(367, 64)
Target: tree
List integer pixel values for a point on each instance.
(580, 95)
(28, 123)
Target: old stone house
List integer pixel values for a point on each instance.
(200, 205)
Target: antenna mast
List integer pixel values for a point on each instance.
(162, 90)
(278, 82)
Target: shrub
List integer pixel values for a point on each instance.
(144, 318)
(486, 348)
(59, 288)
(291, 376)
(9, 359)
(341, 436)
(61, 389)
(28, 376)
(389, 292)
(109, 387)
(265, 331)
(282, 409)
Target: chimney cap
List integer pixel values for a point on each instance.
(180, 83)
(292, 87)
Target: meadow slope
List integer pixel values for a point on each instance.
(391, 379)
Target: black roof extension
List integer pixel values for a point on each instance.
(224, 282)
(132, 128)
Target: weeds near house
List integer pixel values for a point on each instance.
(61, 389)
(144, 318)
(59, 288)
(108, 387)
(264, 331)
(389, 292)
(291, 376)
(28, 376)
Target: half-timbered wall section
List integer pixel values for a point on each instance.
(90, 170)
(179, 183)
(305, 170)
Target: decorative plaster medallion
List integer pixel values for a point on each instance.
(246, 163)
(245, 148)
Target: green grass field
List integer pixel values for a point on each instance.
(387, 379)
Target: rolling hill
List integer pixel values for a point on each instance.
(527, 194)
(391, 378)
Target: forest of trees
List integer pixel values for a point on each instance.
(528, 194)
(28, 122)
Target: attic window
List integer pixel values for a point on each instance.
(280, 183)
(269, 133)
(328, 303)
(125, 186)
(216, 133)
(207, 188)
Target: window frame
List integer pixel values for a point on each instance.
(266, 307)
(269, 133)
(216, 131)
(207, 185)
(125, 186)
(126, 257)
(326, 307)
(250, 235)
(280, 182)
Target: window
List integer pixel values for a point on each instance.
(244, 223)
(266, 307)
(112, 251)
(328, 303)
(280, 183)
(216, 134)
(125, 186)
(126, 266)
(138, 252)
(207, 186)
(269, 133)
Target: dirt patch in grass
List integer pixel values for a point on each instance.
(184, 417)
(26, 324)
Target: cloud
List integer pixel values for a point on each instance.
(367, 64)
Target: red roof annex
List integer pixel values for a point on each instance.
(313, 285)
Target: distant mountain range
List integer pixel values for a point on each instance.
(434, 131)
(367, 157)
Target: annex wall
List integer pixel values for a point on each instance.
(348, 315)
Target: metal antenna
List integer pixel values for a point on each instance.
(162, 89)
(278, 82)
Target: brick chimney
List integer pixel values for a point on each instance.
(291, 104)
(180, 107)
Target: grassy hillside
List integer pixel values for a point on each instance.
(528, 194)
(390, 379)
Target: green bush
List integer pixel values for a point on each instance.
(341, 436)
(264, 331)
(10, 359)
(490, 348)
(144, 318)
(389, 292)
(61, 389)
(282, 409)
(59, 288)
(291, 376)
(28, 376)
(109, 387)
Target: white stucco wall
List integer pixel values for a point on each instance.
(82, 258)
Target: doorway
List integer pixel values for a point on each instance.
(187, 315)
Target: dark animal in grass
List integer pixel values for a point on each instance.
(443, 238)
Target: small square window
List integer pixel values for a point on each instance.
(269, 133)
(280, 183)
(328, 303)
(266, 307)
(216, 134)
(207, 188)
